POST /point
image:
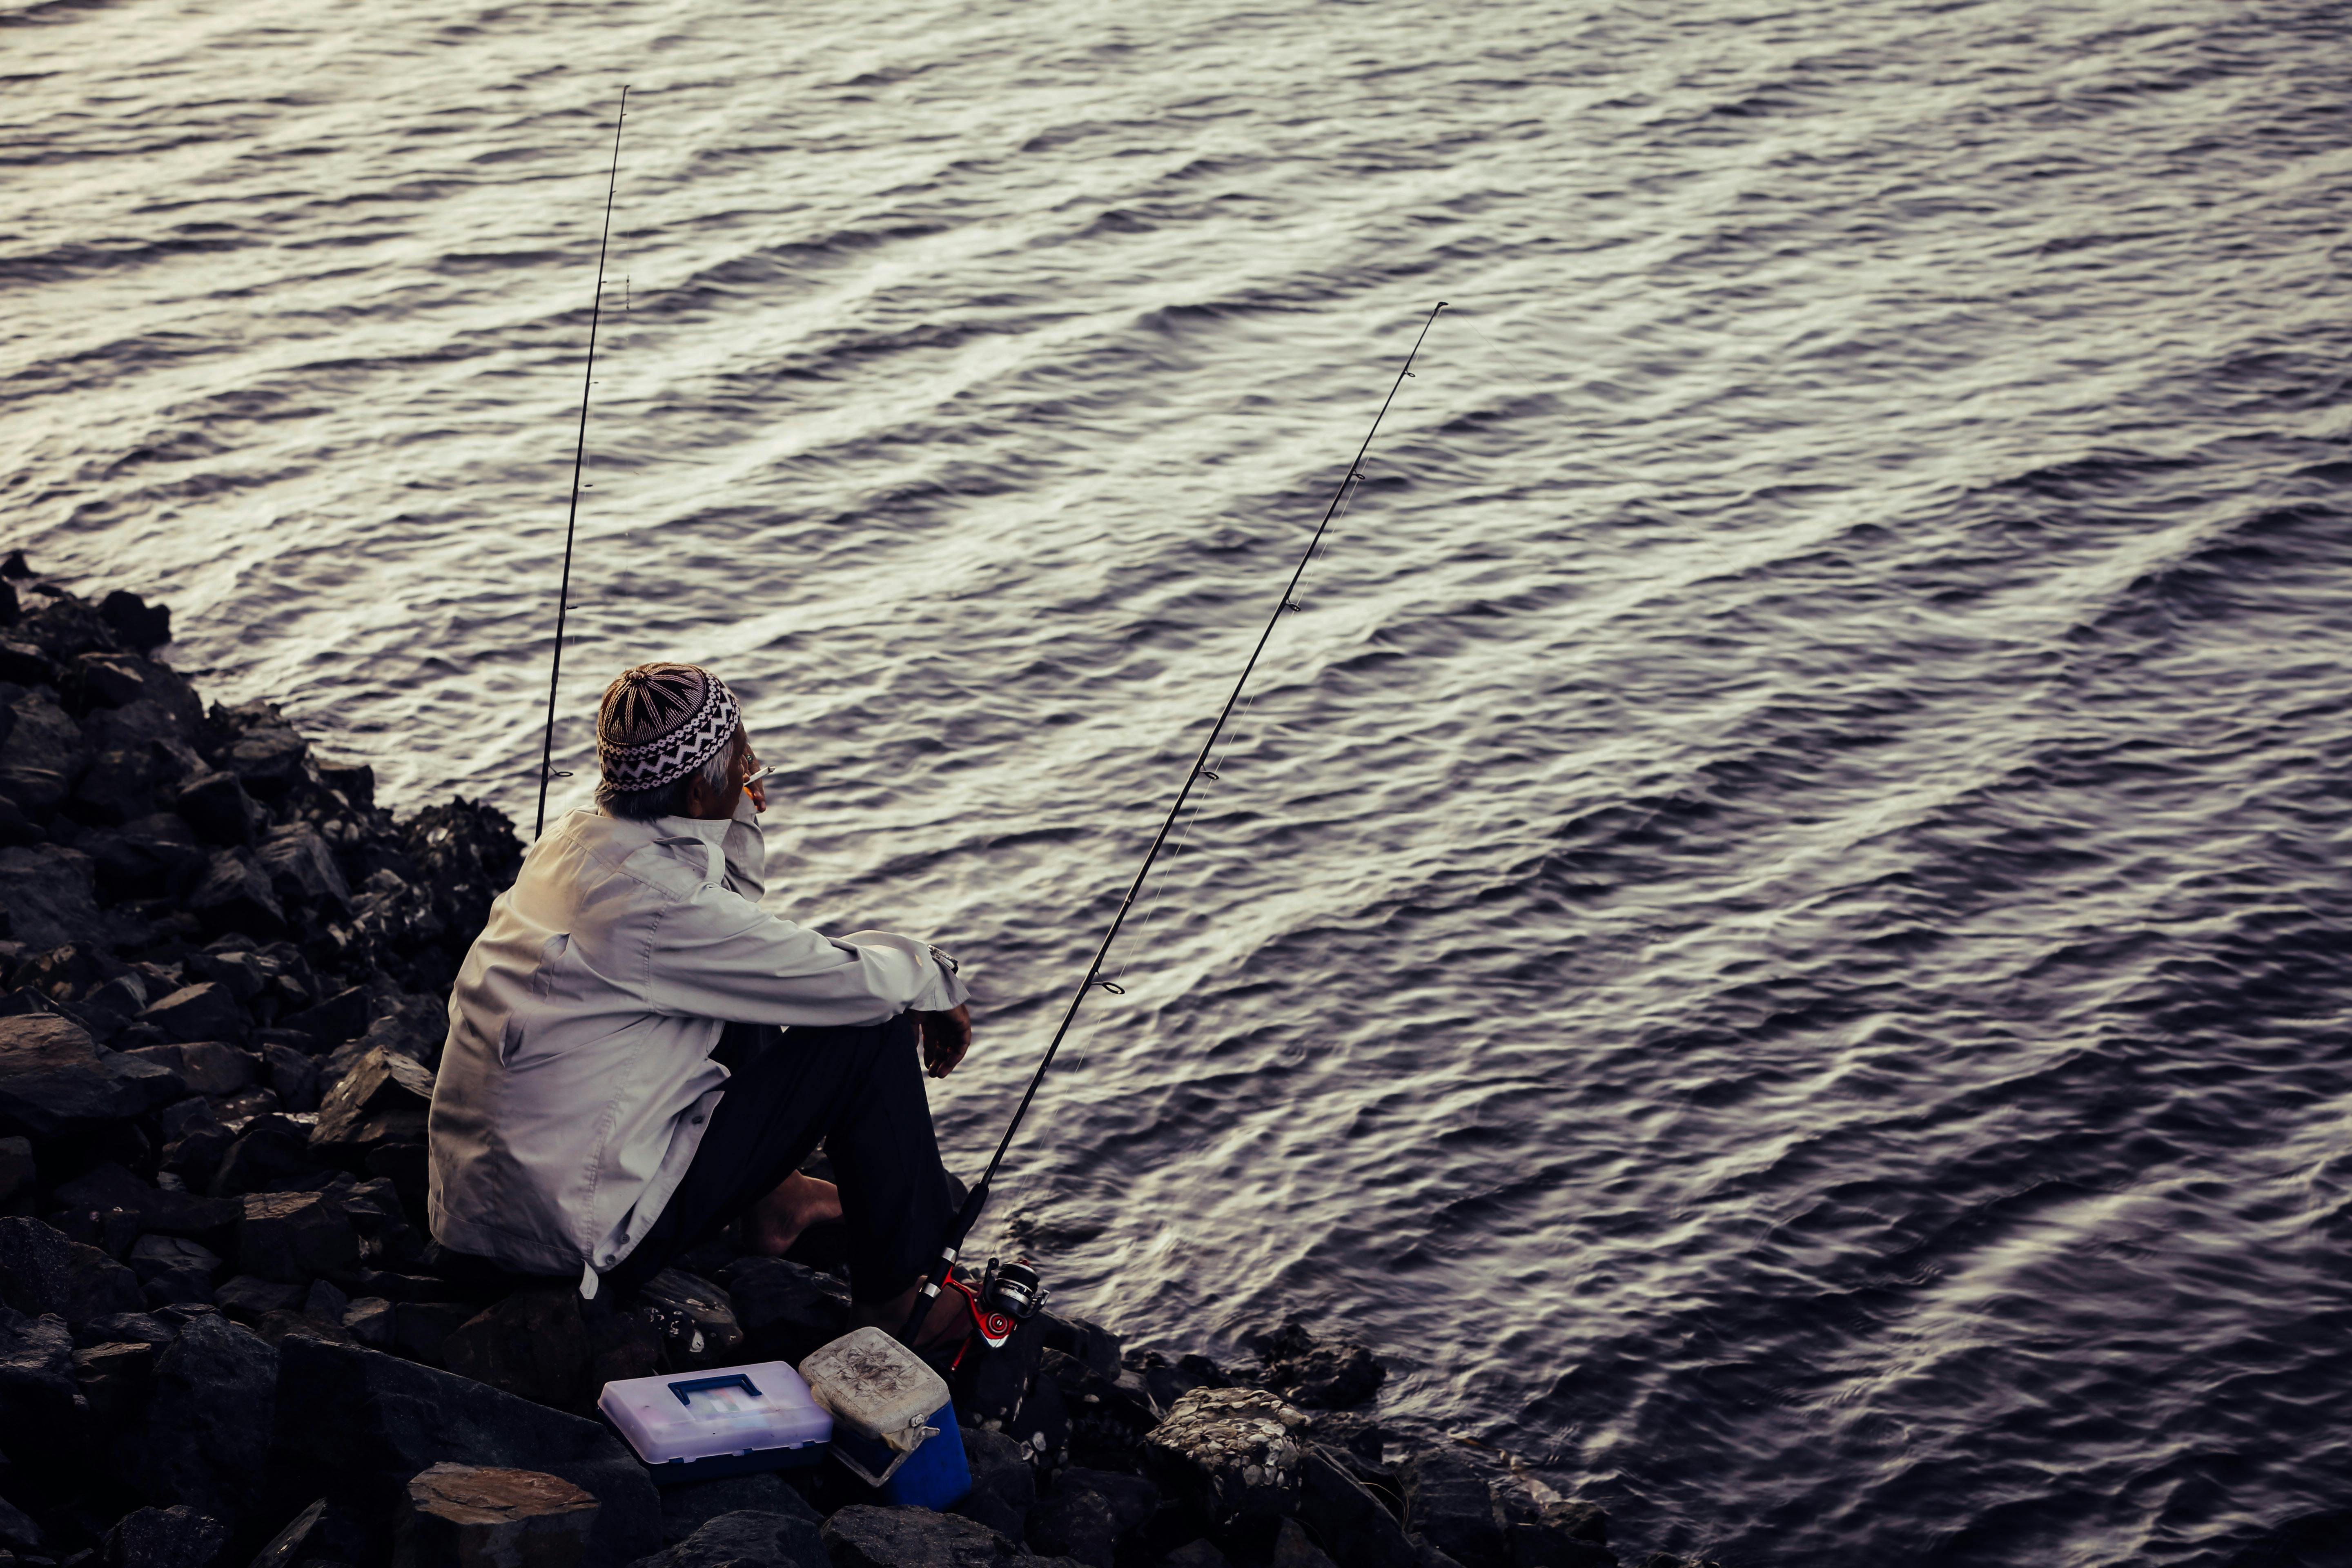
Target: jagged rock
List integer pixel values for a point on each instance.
(1196, 1554)
(63, 626)
(141, 626)
(24, 664)
(99, 1286)
(289, 1236)
(1073, 1523)
(44, 757)
(16, 829)
(116, 787)
(204, 1437)
(687, 1509)
(1293, 1549)
(1668, 1560)
(786, 1310)
(369, 1320)
(751, 1538)
(206, 1066)
(1090, 1345)
(16, 1530)
(114, 1377)
(1108, 1419)
(532, 1343)
(1327, 1376)
(1004, 1482)
(50, 894)
(1349, 1518)
(109, 1186)
(383, 1100)
(1351, 1432)
(249, 1297)
(342, 1016)
(176, 1537)
(302, 868)
(293, 1077)
(36, 1268)
(15, 1168)
(235, 895)
(217, 808)
(862, 1536)
(205, 1012)
(36, 1386)
(488, 1516)
(1231, 1453)
(267, 759)
(272, 1151)
(55, 1080)
(125, 1328)
(696, 1319)
(354, 1424)
(422, 1329)
(325, 1300)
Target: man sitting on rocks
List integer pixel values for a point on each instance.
(640, 1053)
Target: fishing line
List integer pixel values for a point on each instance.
(927, 1289)
(1350, 485)
(579, 464)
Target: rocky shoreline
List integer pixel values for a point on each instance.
(225, 1337)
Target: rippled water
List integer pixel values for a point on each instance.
(1776, 928)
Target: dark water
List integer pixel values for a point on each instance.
(1776, 929)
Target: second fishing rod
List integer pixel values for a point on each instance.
(951, 1249)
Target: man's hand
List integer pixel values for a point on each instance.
(946, 1038)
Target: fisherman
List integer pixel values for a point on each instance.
(638, 1053)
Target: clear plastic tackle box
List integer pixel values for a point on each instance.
(731, 1420)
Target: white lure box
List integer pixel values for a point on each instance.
(688, 1425)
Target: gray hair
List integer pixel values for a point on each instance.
(670, 799)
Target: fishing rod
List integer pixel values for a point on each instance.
(929, 1290)
(578, 461)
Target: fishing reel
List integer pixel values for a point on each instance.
(1007, 1296)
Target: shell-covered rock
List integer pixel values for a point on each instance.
(1231, 1452)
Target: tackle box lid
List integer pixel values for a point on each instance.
(726, 1410)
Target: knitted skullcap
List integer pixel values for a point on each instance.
(658, 722)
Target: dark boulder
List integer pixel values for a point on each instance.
(206, 1066)
(17, 1531)
(289, 1236)
(155, 856)
(248, 1299)
(44, 756)
(382, 1099)
(36, 1386)
(687, 1509)
(205, 1012)
(302, 869)
(50, 896)
(23, 664)
(177, 1537)
(55, 1080)
(100, 1286)
(785, 1309)
(1351, 1520)
(1327, 1376)
(36, 1268)
(234, 894)
(137, 625)
(16, 1169)
(173, 1268)
(273, 1152)
(109, 1186)
(342, 1016)
(1003, 1482)
(354, 1424)
(749, 1538)
(532, 1343)
(863, 1536)
(217, 808)
(114, 1377)
(293, 1078)
(204, 1439)
(267, 760)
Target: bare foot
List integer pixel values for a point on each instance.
(776, 1221)
(947, 1314)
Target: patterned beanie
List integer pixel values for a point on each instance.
(660, 721)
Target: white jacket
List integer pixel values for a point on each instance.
(577, 1080)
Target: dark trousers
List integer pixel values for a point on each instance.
(859, 1090)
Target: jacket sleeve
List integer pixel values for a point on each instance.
(745, 849)
(718, 955)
